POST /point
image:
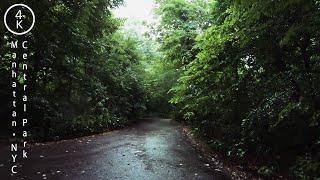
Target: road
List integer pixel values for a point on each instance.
(149, 149)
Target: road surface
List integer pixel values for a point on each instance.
(150, 149)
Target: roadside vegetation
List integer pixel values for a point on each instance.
(247, 79)
(84, 76)
(243, 74)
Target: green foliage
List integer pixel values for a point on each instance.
(244, 73)
(306, 167)
(83, 75)
(248, 81)
(157, 78)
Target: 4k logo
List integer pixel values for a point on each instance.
(19, 19)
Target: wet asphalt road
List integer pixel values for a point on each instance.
(150, 149)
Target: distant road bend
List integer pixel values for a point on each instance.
(151, 149)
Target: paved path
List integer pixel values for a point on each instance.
(150, 149)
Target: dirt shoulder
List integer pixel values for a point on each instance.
(219, 160)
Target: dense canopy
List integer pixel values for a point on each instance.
(244, 73)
